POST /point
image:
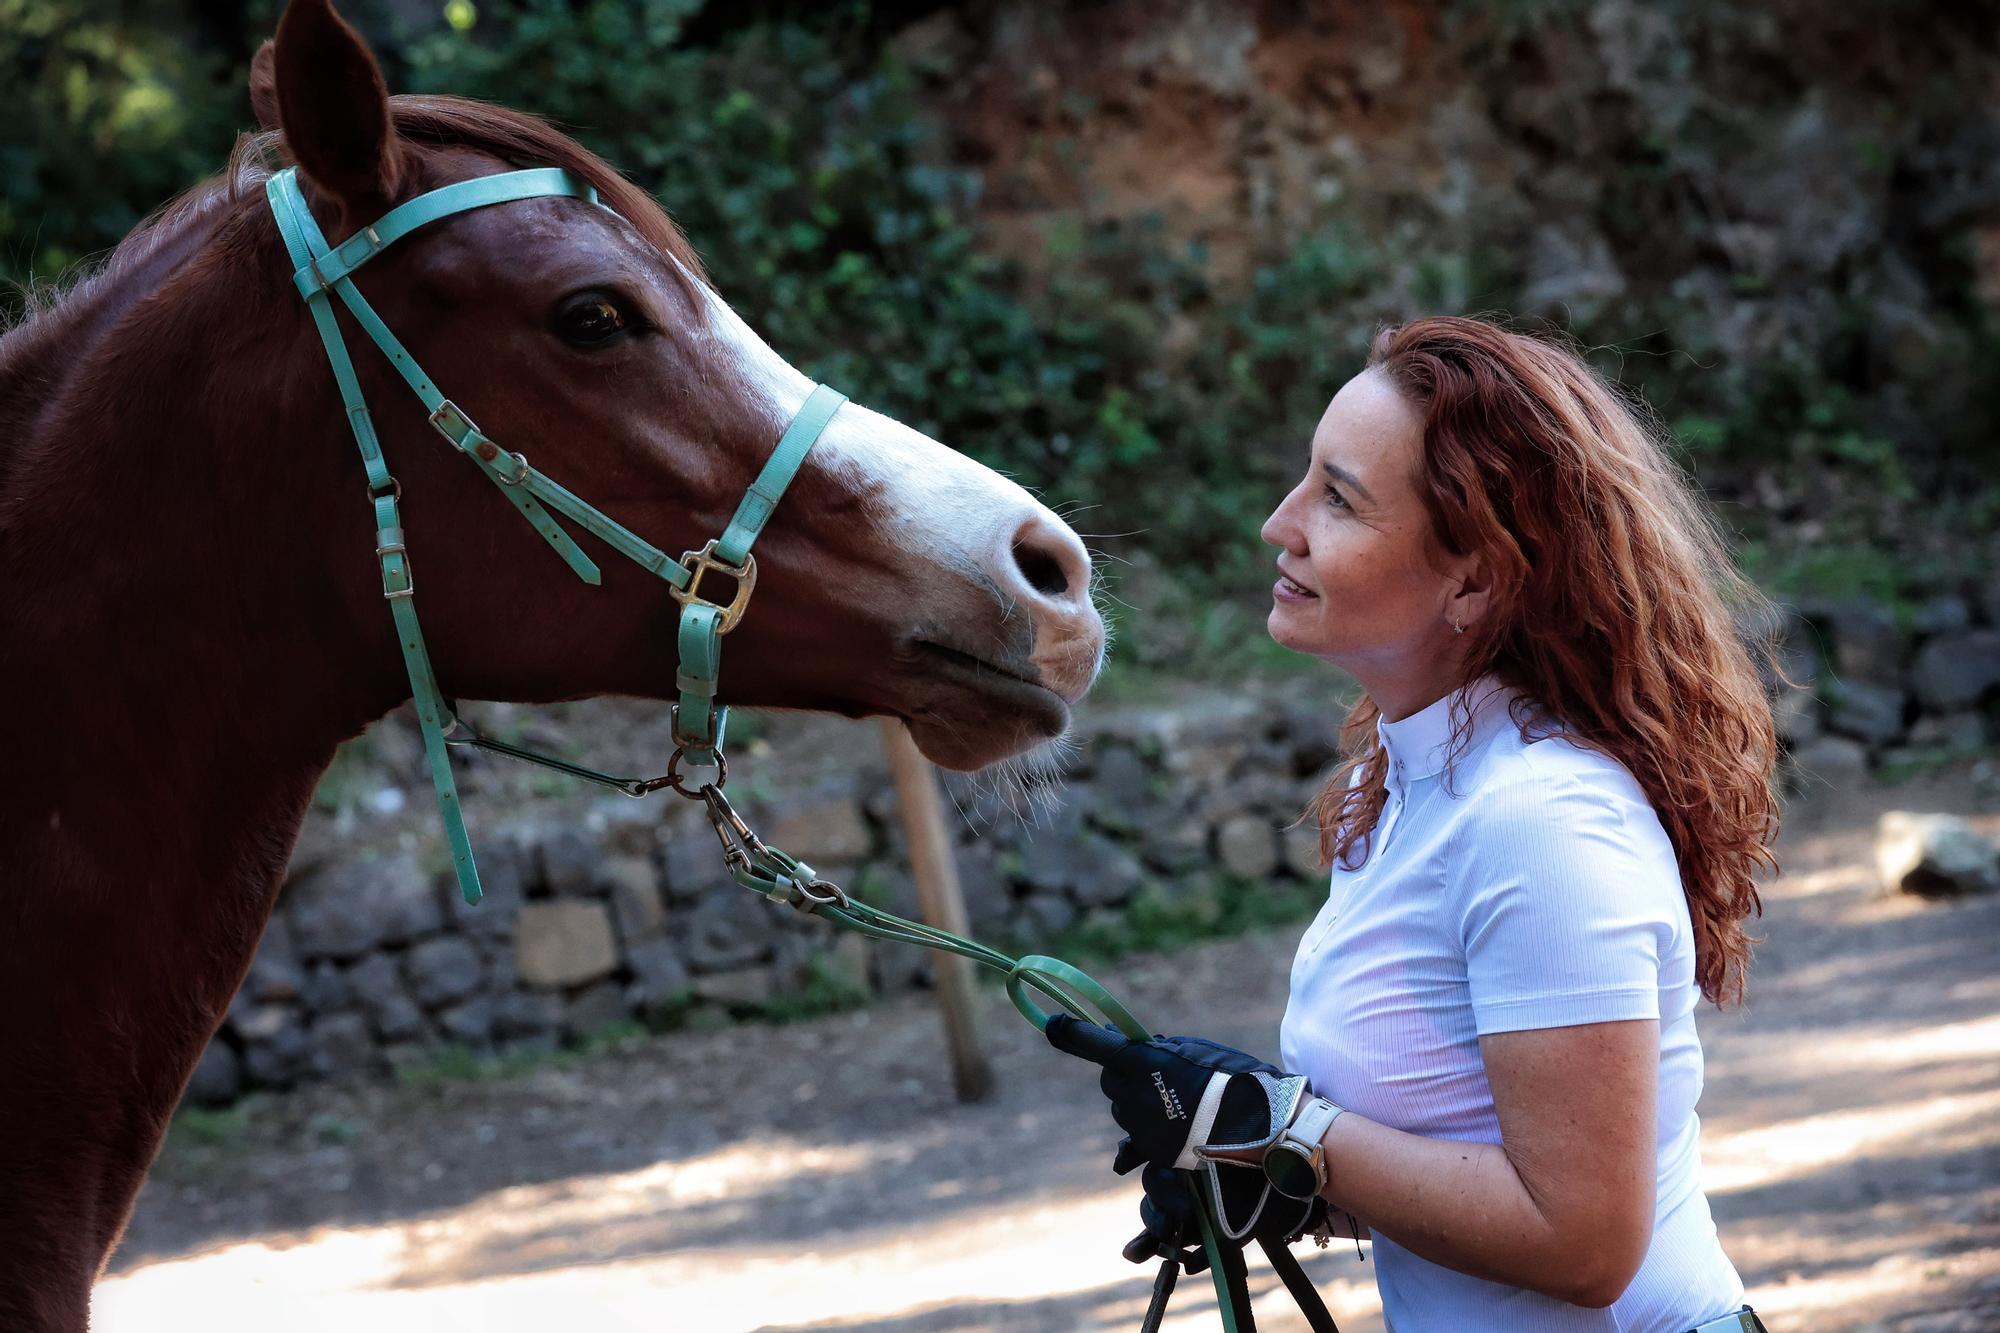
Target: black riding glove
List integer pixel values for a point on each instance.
(1175, 1096)
(1167, 1212)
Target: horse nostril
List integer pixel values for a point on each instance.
(1043, 571)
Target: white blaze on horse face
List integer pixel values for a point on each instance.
(946, 501)
(945, 505)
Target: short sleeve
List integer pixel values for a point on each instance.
(1571, 898)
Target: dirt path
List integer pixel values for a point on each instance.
(820, 1177)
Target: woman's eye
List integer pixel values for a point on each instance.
(591, 320)
(1335, 498)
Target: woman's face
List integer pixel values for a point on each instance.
(1358, 586)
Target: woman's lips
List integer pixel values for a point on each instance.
(1285, 590)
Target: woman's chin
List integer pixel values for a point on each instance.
(1285, 631)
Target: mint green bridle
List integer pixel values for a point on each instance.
(325, 271)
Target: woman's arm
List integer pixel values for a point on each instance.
(1565, 1206)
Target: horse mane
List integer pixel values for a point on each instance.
(32, 349)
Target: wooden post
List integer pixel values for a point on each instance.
(939, 903)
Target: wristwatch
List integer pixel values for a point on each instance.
(1296, 1164)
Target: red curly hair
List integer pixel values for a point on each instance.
(1615, 608)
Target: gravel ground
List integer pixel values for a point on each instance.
(820, 1176)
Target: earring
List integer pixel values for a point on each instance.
(1458, 627)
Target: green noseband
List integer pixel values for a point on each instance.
(325, 271)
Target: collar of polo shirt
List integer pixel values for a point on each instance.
(1419, 744)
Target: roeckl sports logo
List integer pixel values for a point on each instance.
(1168, 1099)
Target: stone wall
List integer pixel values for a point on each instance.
(621, 912)
(624, 914)
(1891, 688)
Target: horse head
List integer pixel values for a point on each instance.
(897, 576)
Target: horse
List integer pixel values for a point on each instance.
(191, 619)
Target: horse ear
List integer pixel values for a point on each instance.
(264, 85)
(333, 106)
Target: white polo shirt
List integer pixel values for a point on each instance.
(1531, 887)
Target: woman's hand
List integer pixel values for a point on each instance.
(1175, 1095)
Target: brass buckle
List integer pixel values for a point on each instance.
(699, 563)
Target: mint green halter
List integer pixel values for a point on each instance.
(698, 721)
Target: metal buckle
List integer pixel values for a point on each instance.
(460, 427)
(699, 563)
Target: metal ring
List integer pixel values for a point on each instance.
(674, 780)
(521, 474)
(395, 490)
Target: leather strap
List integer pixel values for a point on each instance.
(333, 263)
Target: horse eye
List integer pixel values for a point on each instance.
(591, 320)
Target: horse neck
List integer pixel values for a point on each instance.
(179, 651)
(170, 598)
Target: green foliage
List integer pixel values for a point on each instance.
(1160, 408)
(107, 117)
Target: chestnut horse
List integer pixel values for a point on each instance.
(191, 617)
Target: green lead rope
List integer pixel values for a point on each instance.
(783, 878)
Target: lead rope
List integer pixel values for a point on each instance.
(782, 878)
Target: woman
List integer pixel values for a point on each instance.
(1542, 848)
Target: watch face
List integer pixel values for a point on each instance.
(1291, 1173)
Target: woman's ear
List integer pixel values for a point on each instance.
(318, 82)
(1471, 592)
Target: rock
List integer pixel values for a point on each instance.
(1867, 646)
(829, 832)
(255, 1022)
(845, 965)
(276, 1062)
(1571, 270)
(275, 973)
(1301, 844)
(983, 887)
(659, 975)
(1123, 789)
(593, 1009)
(339, 1044)
(636, 905)
(1867, 712)
(1833, 760)
(354, 906)
(630, 825)
(1933, 856)
(439, 971)
(503, 880)
(520, 1014)
(1954, 733)
(1942, 615)
(569, 864)
(728, 929)
(566, 942)
(1109, 873)
(1173, 840)
(896, 968)
(1044, 916)
(692, 865)
(470, 1023)
(1247, 846)
(744, 988)
(217, 1078)
(378, 992)
(1957, 670)
(326, 988)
